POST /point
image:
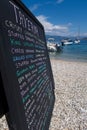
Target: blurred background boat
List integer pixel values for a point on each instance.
(52, 46)
(77, 40)
(67, 42)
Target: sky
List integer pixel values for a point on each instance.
(60, 17)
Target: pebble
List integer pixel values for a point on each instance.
(70, 110)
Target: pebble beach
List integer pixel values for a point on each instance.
(70, 110)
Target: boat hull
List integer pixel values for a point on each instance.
(77, 41)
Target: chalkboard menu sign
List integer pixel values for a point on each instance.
(25, 68)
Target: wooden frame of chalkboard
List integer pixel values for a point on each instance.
(25, 68)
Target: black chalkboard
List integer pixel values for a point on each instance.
(25, 68)
(3, 102)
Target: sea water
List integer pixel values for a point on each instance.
(73, 52)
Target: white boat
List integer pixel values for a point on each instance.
(77, 41)
(67, 42)
(52, 45)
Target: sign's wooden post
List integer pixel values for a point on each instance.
(25, 68)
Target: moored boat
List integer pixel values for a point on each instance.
(67, 42)
(53, 46)
(77, 41)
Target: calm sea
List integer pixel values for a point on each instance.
(74, 52)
